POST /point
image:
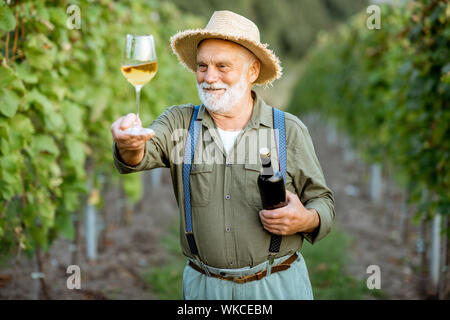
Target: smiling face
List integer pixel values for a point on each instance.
(225, 74)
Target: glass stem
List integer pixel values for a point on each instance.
(138, 99)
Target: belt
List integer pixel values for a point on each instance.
(257, 276)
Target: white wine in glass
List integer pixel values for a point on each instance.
(139, 66)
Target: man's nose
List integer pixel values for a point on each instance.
(211, 75)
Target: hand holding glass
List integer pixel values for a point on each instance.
(139, 66)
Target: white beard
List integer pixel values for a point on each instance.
(222, 103)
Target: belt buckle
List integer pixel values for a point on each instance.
(270, 261)
(203, 266)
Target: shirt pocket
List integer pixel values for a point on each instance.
(200, 179)
(252, 194)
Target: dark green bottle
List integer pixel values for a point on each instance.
(270, 183)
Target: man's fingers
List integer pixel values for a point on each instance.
(132, 142)
(290, 195)
(271, 225)
(138, 138)
(128, 141)
(273, 222)
(116, 125)
(281, 229)
(272, 214)
(148, 136)
(119, 127)
(128, 121)
(272, 229)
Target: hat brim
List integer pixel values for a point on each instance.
(184, 45)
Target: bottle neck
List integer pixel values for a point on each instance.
(267, 169)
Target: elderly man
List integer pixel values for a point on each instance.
(225, 234)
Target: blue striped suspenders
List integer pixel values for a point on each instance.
(191, 142)
(280, 139)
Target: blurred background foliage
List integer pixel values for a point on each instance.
(289, 26)
(61, 89)
(392, 85)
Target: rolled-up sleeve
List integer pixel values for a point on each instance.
(311, 187)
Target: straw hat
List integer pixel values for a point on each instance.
(230, 26)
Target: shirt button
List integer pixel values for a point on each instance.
(228, 164)
(231, 263)
(227, 229)
(228, 197)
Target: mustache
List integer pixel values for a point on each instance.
(213, 86)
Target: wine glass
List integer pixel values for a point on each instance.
(139, 65)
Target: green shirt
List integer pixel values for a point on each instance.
(224, 193)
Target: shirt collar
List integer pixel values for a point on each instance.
(261, 114)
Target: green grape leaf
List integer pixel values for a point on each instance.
(65, 226)
(44, 143)
(4, 130)
(72, 114)
(75, 149)
(47, 213)
(132, 186)
(24, 73)
(22, 125)
(10, 180)
(58, 16)
(38, 234)
(44, 105)
(40, 52)
(7, 77)
(9, 102)
(71, 200)
(7, 20)
(53, 119)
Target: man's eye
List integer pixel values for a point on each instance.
(201, 67)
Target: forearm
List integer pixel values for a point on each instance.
(131, 157)
(314, 221)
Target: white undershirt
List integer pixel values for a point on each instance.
(228, 138)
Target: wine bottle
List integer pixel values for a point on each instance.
(270, 183)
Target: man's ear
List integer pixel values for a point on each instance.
(254, 69)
